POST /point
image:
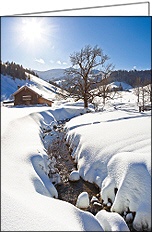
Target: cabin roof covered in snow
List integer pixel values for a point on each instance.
(34, 89)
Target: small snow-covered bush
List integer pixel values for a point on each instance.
(83, 200)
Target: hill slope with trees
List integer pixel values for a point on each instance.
(15, 70)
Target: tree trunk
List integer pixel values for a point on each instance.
(85, 103)
(104, 101)
(143, 100)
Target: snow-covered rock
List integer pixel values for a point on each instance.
(131, 178)
(74, 176)
(94, 199)
(109, 204)
(97, 204)
(111, 221)
(129, 217)
(83, 200)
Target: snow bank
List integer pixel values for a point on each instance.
(27, 195)
(38, 164)
(67, 112)
(112, 149)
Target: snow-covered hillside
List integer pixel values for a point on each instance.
(51, 74)
(117, 84)
(10, 85)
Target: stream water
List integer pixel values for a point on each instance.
(69, 190)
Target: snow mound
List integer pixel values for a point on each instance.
(67, 112)
(74, 176)
(94, 199)
(111, 221)
(134, 175)
(83, 200)
(38, 164)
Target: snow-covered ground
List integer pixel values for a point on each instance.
(112, 148)
(27, 193)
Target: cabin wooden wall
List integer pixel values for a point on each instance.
(19, 99)
(42, 100)
(29, 97)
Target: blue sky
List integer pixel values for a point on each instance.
(44, 43)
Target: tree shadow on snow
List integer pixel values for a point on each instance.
(129, 117)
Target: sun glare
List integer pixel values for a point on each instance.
(33, 33)
(33, 30)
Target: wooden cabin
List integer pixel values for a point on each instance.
(26, 95)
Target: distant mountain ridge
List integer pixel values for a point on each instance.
(130, 77)
(51, 74)
(56, 74)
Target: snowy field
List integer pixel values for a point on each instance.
(112, 148)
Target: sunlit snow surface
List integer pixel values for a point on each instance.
(117, 144)
(111, 221)
(112, 148)
(27, 202)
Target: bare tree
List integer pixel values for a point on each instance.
(143, 93)
(148, 91)
(104, 90)
(137, 89)
(80, 82)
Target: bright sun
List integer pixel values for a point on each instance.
(32, 30)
